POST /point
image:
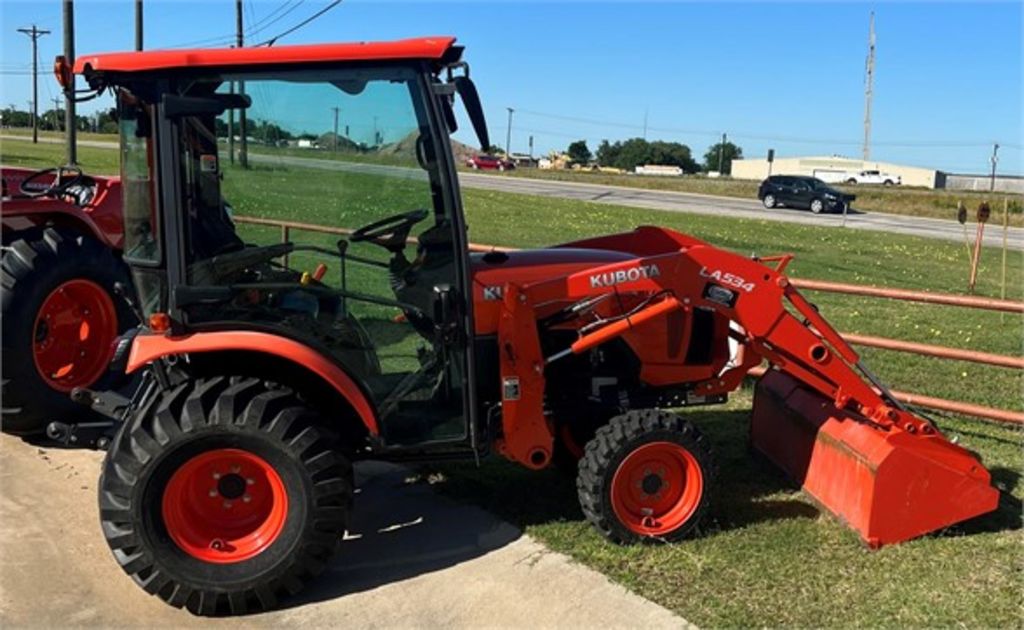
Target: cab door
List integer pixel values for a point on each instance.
(351, 171)
(801, 193)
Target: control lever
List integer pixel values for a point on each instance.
(122, 292)
(342, 246)
(446, 325)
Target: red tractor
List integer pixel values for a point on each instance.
(62, 236)
(279, 349)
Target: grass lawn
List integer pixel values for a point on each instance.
(99, 161)
(921, 202)
(773, 558)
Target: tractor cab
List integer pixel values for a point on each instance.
(306, 194)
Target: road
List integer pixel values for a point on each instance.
(735, 207)
(655, 199)
(411, 559)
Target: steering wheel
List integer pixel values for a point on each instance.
(390, 233)
(65, 178)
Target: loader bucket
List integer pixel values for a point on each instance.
(887, 484)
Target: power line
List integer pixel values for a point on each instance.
(225, 40)
(273, 40)
(263, 24)
(758, 136)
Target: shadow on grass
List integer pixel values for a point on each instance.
(748, 490)
(1008, 516)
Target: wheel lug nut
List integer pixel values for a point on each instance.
(250, 481)
(236, 468)
(227, 505)
(213, 492)
(216, 475)
(246, 498)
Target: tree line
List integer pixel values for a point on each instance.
(628, 154)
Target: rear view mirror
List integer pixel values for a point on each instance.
(214, 104)
(471, 99)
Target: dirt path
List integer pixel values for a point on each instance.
(413, 559)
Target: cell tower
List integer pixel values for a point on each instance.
(869, 80)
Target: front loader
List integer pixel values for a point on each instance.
(279, 346)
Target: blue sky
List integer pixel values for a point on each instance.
(787, 76)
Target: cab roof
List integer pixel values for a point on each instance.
(418, 48)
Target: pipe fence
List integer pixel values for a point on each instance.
(921, 349)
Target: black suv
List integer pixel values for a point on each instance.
(797, 191)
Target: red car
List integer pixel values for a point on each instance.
(489, 162)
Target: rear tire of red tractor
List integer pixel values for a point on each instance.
(221, 495)
(647, 475)
(60, 318)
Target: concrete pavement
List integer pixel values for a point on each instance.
(412, 559)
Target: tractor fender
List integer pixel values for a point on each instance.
(147, 348)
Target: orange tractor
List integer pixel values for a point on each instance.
(279, 347)
(61, 268)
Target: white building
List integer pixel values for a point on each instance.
(831, 168)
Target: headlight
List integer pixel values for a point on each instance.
(830, 196)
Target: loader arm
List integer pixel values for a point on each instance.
(744, 290)
(819, 414)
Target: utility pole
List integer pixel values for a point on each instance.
(35, 34)
(721, 154)
(531, 147)
(869, 82)
(995, 159)
(70, 126)
(56, 113)
(138, 24)
(336, 110)
(508, 135)
(243, 150)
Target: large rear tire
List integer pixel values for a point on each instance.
(647, 475)
(60, 318)
(223, 494)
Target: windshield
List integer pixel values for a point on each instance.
(817, 183)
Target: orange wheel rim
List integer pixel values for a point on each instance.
(657, 488)
(73, 335)
(223, 506)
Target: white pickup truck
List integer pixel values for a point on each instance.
(873, 177)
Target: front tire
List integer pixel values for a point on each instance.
(769, 201)
(647, 475)
(817, 206)
(223, 494)
(60, 318)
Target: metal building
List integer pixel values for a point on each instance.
(835, 169)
